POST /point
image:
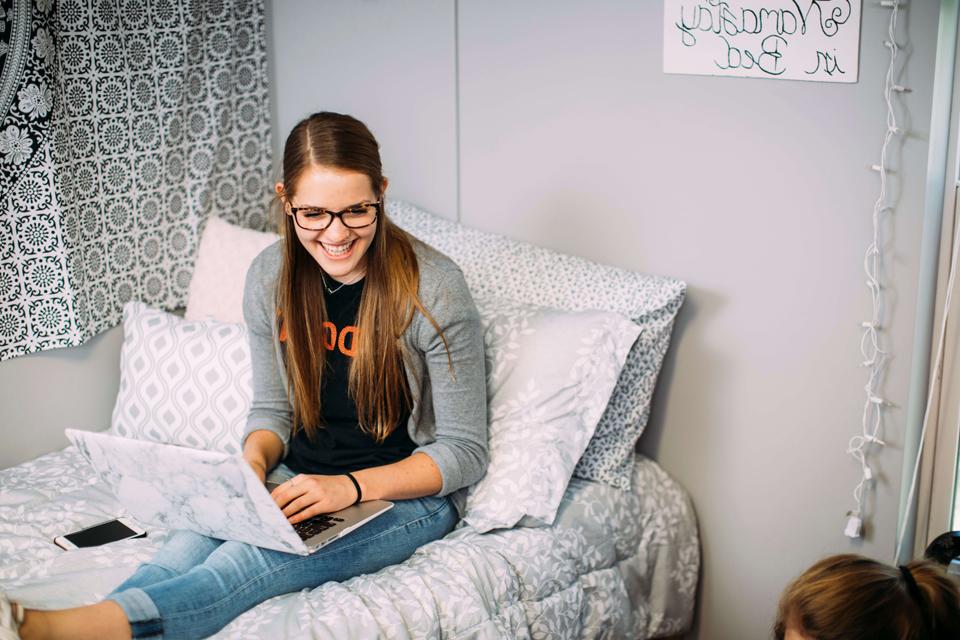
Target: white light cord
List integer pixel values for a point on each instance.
(874, 357)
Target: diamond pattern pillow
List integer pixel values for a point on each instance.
(549, 376)
(182, 382)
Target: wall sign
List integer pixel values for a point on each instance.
(814, 40)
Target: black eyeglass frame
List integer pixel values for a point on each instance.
(378, 205)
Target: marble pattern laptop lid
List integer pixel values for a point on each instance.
(173, 487)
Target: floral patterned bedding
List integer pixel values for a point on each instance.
(614, 564)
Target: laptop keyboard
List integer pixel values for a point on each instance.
(317, 524)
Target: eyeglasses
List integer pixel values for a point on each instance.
(357, 216)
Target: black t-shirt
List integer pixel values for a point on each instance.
(340, 445)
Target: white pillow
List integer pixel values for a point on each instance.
(223, 257)
(550, 374)
(182, 382)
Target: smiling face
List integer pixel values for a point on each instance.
(339, 250)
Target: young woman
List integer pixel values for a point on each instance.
(368, 383)
(850, 597)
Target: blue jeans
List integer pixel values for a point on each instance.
(196, 585)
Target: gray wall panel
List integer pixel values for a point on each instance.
(757, 193)
(390, 64)
(43, 393)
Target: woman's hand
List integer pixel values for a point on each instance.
(304, 496)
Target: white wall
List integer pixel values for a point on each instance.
(756, 192)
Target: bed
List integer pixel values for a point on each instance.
(617, 558)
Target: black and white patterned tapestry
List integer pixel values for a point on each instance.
(125, 123)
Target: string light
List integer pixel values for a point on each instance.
(875, 357)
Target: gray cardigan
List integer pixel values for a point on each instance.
(448, 419)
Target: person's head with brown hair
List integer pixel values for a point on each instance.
(335, 232)
(851, 597)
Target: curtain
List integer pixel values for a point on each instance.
(125, 124)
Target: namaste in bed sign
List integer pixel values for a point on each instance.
(816, 40)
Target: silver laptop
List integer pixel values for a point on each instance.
(212, 493)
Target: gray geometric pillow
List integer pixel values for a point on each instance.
(499, 267)
(182, 382)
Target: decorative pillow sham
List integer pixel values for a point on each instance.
(223, 257)
(549, 376)
(497, 266)
(182, 382)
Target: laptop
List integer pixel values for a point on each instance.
(212, 493)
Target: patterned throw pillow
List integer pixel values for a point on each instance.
(497, 266)
(182, 382)
(549, 376)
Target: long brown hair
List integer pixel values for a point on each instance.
(851, 597)
(377, 383)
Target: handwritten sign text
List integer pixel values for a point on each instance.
(815, 40)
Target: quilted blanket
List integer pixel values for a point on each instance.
(614, 564)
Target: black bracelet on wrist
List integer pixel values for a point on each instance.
(356, 486)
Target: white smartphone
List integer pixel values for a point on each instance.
(98, 534)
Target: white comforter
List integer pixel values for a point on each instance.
(613, 565)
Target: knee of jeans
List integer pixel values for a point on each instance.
(451, 517)
(237, 561)
(438, 507)
(438, 514)
(184, 550)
